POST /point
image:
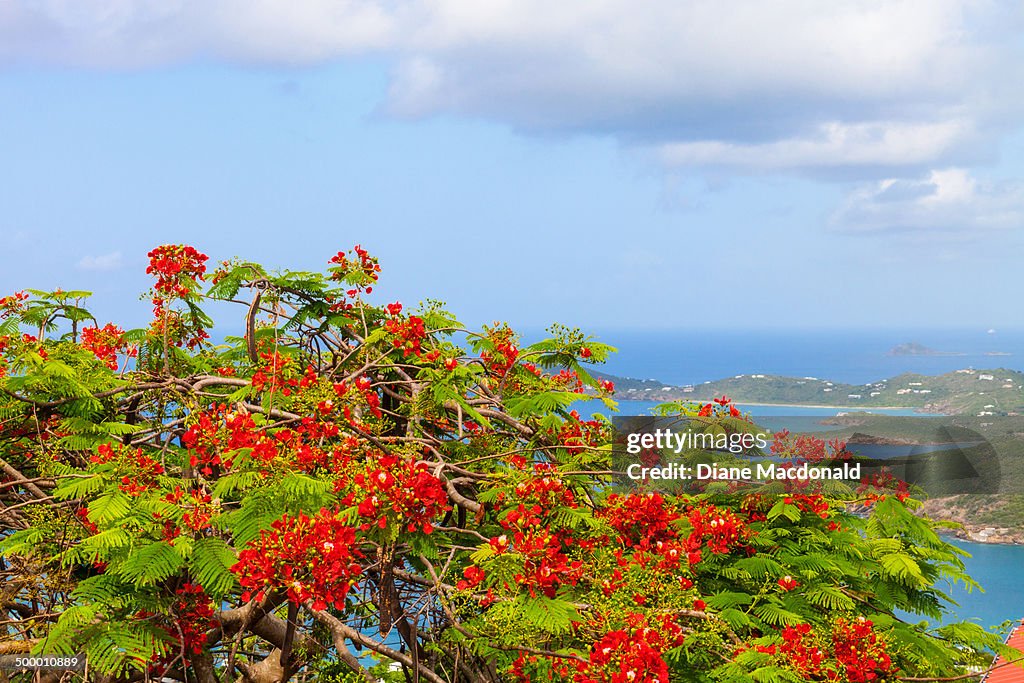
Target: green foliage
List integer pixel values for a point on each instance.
(211, 562)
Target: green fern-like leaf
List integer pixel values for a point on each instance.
(211, 564)
(551, 615)
(109, 507)
(829, 597)
(151, 563)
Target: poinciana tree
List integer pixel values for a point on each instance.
(352, 490)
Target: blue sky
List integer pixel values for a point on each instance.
(677, 165)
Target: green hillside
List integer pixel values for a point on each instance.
(969, 391)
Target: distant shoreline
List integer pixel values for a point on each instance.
(860, 408)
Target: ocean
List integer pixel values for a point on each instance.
(997, 569)
(687, 357)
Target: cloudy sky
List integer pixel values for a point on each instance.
(604, 163)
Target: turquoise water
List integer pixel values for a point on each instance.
(645, 408)
(854, 356)
(998, 569)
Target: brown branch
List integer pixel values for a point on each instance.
(22, 479)
(339, 628)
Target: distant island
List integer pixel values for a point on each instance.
(963, 392)
(915, 349)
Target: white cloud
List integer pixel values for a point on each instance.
(949, 200)
(104, 262)
(833, 144)
(788, 84)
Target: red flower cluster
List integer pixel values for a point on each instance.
(800, 650)
(787, 583)
(193, 616)
(545, 488)
(853, 653)
(504, 353)
(642, 520)
(805, 448)
(361, 269)
(139, 471)
(402, 491)
(546, 564)
(176, 266)
(314, 558)
(364, 385)
(871, 486)
(631, 655)
(474, 576)
(312, 457)
(860, 654)
(813, 503)
(716, 529)
(272, 374)
(567, 380)
(577, 434)
(199, 508)
(106, 342)
(218, 432)
(9, 305)
(409, 334)
(83, 516)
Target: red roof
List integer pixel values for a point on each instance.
(1002, 670)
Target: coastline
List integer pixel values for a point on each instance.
(969, 534)
(860, 408)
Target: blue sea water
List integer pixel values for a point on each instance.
(684, 357)
(770, 411)
(997, 569)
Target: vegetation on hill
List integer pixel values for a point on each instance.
(996, 392)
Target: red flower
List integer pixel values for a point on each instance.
(499, 544)
(474, 576)
(788, 583)
(401, 491)
(717, 529)
(314, 558)
(106, 342)
(138, 471)
(176, 267)
(409, 335)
